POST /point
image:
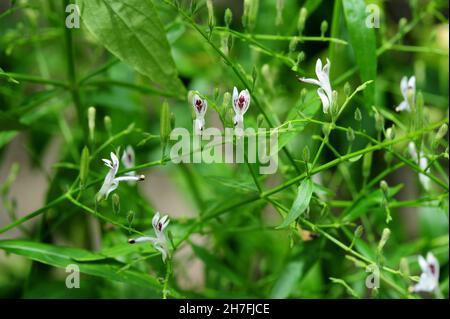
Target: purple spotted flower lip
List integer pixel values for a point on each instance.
(408, 89)
(429, 279)
(241, 103)
(200, 106)
(323, 81)
(160, 242)
(111, 182)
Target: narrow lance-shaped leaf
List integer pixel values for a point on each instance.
(301, 202)
(363, 42)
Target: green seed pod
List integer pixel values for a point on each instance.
(367, 163)
(384, 188)
(91, 122)
(323, 28)
(293, 44)
(347, 89)
(165, 123)
(326, 129)
(84, 166)
(279, 18)
(379, 121)
(108, 124)
(115, 203)
(358, 115)
(390, 133)
(301, 20)
(130, 218)
(350, 135)
(441, 132)
(211, 19)
(228, 17)
(306, 154)
(384, 238)
(359, 231)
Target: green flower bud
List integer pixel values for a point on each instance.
(359, 231)
(84, 166)
(130, 218)
(402, 23)
(358, 115)
(228, 17)
(390, 133)
(115, 203)
(384, 188)
(367, 164)
(293, 44)
(384, 238)
(211, 19)
(91, 122)
(303, 93)
(164, 126)
(326, 129)
(350, 135)
(379, 121)
(323, 28)
(279, 18)
(306, 154)
(347, 89)
(108, 124)
(301, 20)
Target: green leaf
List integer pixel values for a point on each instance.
(287, 281)
(61, 257)
(363, 42)
(301, 202)
(132, 31)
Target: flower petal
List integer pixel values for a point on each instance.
(311, 81)
(403, 106)
(404, 87)
(325, 101)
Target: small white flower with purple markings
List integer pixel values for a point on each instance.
(323, 81)
(429, 279)
(128, 161)
(408, 89)
(160, 242)
(111, 182)
(200, 106)
(241, 103)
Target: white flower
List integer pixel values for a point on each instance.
(111, 182)
(324, 91)
(423, 164)
(200, 107)
(408, 89)
(128, 158)
(241, 103)
(429, 279)
(160, 242)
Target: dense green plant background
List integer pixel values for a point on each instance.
(128, 57)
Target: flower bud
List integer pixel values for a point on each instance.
(301, 20)
(91, 122)
(164, 125)
(379, 121)
(228, 17)
(442, 131)
(279, 18)
(130, 218)
(211, 19)
(84, 166)
(326, 129)
(323, 28)
(303, 93)
(306, 154)
(347, 89)
(384, 238)
(401, 24)
(367, 164)
(293, 44)
(350, 135)
(359, 231)
(108, 124)
(384, 188)
(358, 115)
(115, 203)
(390, 133)
(250, 13)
